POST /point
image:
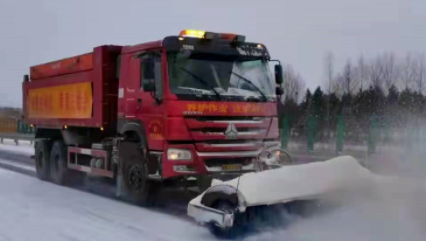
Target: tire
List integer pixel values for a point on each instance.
(59, 172)
(222, 232)
(135, 175)
(42, 160)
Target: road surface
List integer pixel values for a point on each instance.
(34, 210)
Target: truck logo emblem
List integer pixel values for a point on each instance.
(231, 132)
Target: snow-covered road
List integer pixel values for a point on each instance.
(34, 210)
(31, 209)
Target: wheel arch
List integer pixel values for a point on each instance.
(135, 129)
(48, 133)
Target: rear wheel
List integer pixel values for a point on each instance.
(59, 172)
(42, 157)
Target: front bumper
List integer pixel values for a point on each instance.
(205, 215)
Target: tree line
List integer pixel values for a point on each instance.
(385, 92)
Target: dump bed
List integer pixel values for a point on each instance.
(77, 91)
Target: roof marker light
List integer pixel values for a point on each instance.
(192, 33)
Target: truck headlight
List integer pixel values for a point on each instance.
(178, 155)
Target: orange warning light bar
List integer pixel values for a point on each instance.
(210, 35)
(192, 33)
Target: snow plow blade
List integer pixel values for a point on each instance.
(225, 204)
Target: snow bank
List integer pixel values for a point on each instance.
(392, 209)
(301, 181)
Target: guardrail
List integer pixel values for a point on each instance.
(15, 130)
(16, 137)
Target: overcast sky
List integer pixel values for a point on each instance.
(298, 32)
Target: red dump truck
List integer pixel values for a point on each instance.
(180, 109)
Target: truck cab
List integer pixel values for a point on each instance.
(199, 103)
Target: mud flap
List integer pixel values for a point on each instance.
(119, 181)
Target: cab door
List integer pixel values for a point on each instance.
(149, 105)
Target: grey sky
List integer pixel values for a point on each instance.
(298, 32)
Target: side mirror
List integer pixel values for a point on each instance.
(279, 91)
(149, 86)
(278, 74)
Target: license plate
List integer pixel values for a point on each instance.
(233, 167)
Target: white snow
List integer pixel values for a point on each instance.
(300, 181)
(34, 210)
(24, 147)
(393, 209)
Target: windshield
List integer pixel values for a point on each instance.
(212, 75)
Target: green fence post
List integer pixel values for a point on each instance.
(311, 134)
(340, 134)
(372, 137)
(19, 126)
(284, 131)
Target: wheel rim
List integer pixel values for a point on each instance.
(135, 178)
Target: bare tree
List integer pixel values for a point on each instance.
(361, 73)
(293, 84)
(329, 70)
(350, 83)
(420, 73)
(376, 72)
(389, 69)
(338, 85)
(407, 71)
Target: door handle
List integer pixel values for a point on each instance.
(139, 101)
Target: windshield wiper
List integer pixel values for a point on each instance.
(249, 81)
(202, 81)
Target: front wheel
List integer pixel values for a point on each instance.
(135, 175)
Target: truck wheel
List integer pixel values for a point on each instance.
(135, 175)
(224, 232)
(58, 163)
(142, 190)
(59, 172)
(42, 157)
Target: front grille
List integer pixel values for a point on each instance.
(228, 118)
(211, 128)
